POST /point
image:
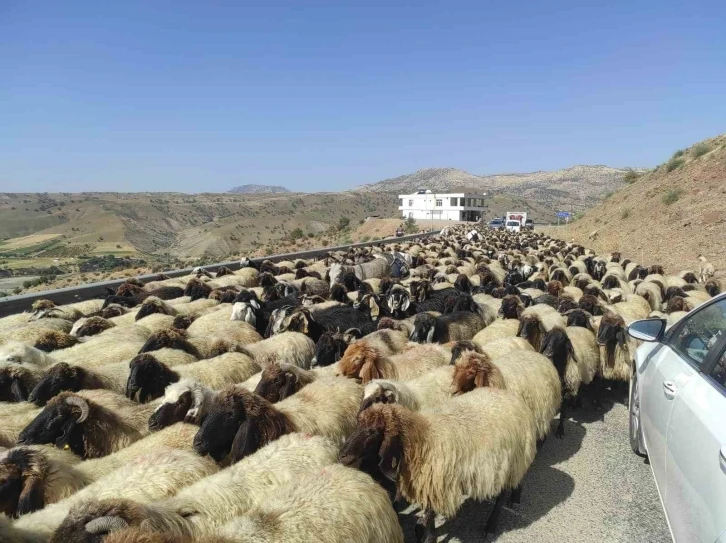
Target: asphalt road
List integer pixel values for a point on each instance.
(588, 487)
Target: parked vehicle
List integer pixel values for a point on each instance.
(513, 226)
(529, 224)
(497, 223)
(677, 412)
(520, 216)
(399, 232)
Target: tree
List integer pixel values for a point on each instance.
(343, 223)
(410, 225)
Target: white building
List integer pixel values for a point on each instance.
(465, 205)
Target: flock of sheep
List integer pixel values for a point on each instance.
(305, 401)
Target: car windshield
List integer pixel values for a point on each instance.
(512, 223)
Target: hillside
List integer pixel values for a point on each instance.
(665, 216)
(578, 186)
(49, 226)
(258, 189)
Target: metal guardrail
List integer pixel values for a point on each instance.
(23, 302)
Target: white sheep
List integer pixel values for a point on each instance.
(476, 445)
(347, 505)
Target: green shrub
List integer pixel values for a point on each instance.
(677, 154)
(700, 149)
(630, 177)
(364, 239)
(296, 234)
(625, 213)
(674, 163)
(325, 243)
(671, 196)
(410, 226)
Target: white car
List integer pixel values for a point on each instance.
(513, 226)
(678, 417)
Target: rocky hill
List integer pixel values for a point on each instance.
(258, 189)
(65, 225)
(669, 215)
(578, 187)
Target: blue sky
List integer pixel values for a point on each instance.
(202, 96)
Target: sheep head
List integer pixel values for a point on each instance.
(152, 305)
(424, 326)
(368, 303)
(531, 329)
(378, 392)
(22, 475)
(581, 318)
(376, 442)
(511, 307)
(566, 304)
(51, 340)
(148, 377)
(611, 334)
(557, 346)
(196, 289)
(16, 380)
(339, 293)
(329, 349)
(475, 370)
(183, 401)
(336, 273)
(60, 423)
(217, 432)
(59, 378)
(91, 326)
(246, 311)
(278, 381)
(399, 299)
(461, 347)
(92, 521)
(172, 339)
(361, 362)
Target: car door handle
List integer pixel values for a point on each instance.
(670, 389)
(722, 458)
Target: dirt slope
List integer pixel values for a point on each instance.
(666, 217)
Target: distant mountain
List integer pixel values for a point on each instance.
(578, 185)
(258, 189)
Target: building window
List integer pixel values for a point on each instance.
(439, 202)
(454, 202)
(400, 202)
(410, 203)
(410, 215)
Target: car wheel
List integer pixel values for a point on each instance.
(636, 434)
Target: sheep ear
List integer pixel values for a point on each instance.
(375, 310)
(32, 497)
(390, 455)
(18, 390)
(430, 335)
(406, 303)
(290, 384)
(369, 371)
(621, 337)
(247, 440)
(520, 308)
(254, 303)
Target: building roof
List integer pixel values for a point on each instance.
(455, 190)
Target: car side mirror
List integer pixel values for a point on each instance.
(647, 329)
